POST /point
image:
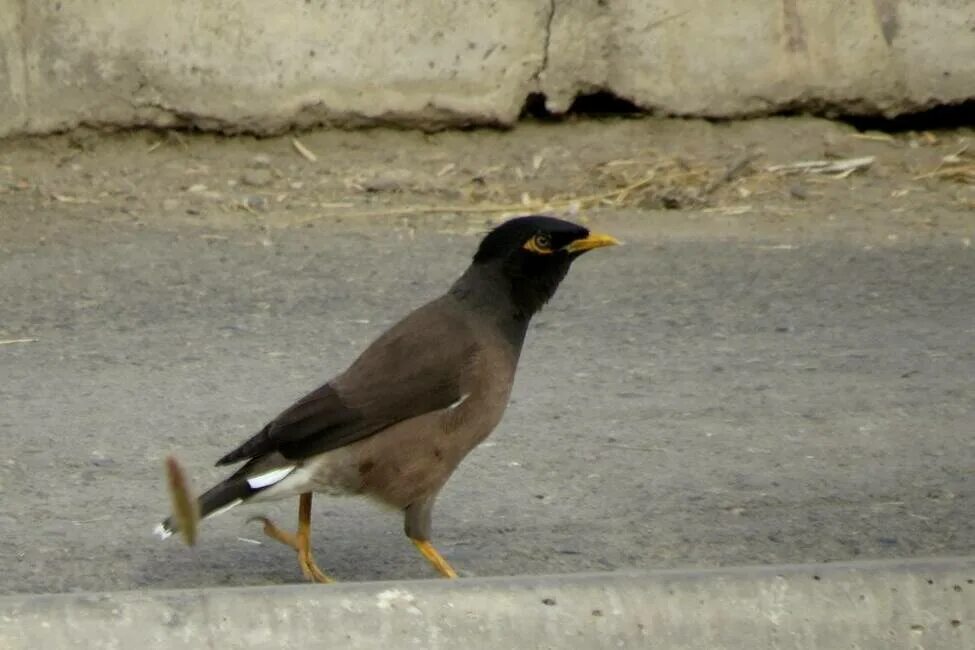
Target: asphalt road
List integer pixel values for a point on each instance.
(684, 400)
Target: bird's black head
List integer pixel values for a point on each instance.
(533, 254)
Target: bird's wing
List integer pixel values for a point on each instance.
(412, 369)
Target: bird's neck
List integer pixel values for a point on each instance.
(486, 290)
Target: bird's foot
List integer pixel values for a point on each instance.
(310, 569)
(434, 557)
(300, 542)
(271, 530)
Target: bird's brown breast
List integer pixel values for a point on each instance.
(413, 458)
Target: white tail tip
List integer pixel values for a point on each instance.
(162, 532)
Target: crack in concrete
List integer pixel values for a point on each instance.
(547, 43)
(24, 66)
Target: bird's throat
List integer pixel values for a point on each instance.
(500, 299)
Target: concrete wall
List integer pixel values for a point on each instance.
(246, 65)
(865, 605)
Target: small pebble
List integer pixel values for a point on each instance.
(258, 203)
(256, 177)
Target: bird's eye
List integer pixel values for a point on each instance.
(540, 244)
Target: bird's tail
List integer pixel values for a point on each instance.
(187, 511)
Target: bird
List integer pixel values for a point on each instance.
(399, 420)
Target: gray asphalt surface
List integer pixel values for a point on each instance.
(692, 400)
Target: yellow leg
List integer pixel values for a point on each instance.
(303, 539)
(300, 541)
(272, 531)
(434, 557)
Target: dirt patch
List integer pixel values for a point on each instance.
(745, 172)
(776, 368)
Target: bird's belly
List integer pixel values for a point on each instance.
(403, 463)
(413, 459)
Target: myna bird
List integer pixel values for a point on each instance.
(400, 419)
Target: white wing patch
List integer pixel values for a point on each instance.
(463, 398)
(269, 478)
(162, 532)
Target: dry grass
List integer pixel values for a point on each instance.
(652, 181)
(647, 182)
(958, 167)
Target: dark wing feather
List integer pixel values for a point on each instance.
(412, 369)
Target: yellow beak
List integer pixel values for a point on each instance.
(594, 240)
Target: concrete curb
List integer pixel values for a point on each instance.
(865, 605)
(234, 66)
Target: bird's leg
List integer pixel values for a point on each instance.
(417, 518)
(299, 541)
(303, 539)
(434, 557)
(272, 531)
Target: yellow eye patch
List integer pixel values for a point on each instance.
(540, 244)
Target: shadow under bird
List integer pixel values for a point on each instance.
(397, 423)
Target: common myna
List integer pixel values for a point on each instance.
(399, 420)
